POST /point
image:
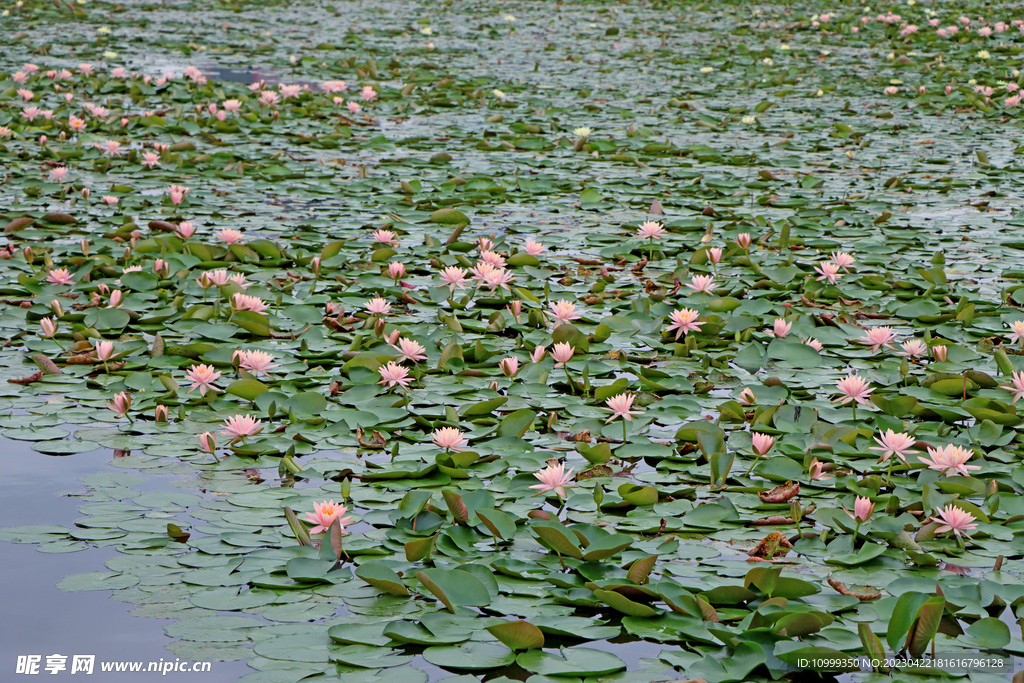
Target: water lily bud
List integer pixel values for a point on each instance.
(56, 308)
(161, 413)
(85, 247)
(314, 265)
(904, 368)
(208, 441)
(30, 255)
(346, 488)
(85, 193)
(598, 494)
(796, 511)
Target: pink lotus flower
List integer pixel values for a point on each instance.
(269, 98)
(213, 278)
(104, 350)
(853, 388)
(951, 460)
(562, 353)
(208, 442)
(862, 509)
(453, 276)
(368, 94)
(813, 343)
(509, 366)
(410, 350)
(891, 90)
(449, 438)
(563, 311)
(497, 277)
(954, 519)
(177, 194)
(1017, 332)
(335, 86)
(715, 255)
(241, 426)
(940, 352)
(202, 376)
(76, 124)
(377, 306)
(29, 113)
(877, 337)
(58, 174)
(385, 237)
(651, 230)
(257, 362)
(325, 515)
(25, 94)
(743, 240)
(892, 444)
(115, 299)
(392, 374)
(60, 276)
(1018, 386)
(49, 327)
(396, 269)
(121, 404)
(150, 160)
(160, 413)
(537, 355)
(748, 397)
(553, 478)
(762, 443)
(705, 284)
(485, 244)
(621, 405)
(108, 200)
(533, 248)
(185, 230)
(684, 321)
(232, 105)
(827, 270)
(353, 107)
(244, 302)
(780, 328)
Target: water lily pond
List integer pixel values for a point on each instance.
(593, 342)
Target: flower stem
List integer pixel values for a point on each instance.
(856, 532)
(757, 457)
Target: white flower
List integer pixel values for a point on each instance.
(582, 132)
(767, 61)
(749, 119)
(509, 18)
(983, 54)
(426, 30)
(499, 94)
(707, 69)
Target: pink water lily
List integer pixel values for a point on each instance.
(650, 230)
(324, 516)
(377, 306)
(202, 377)
(392, 374)
(891, 444)
(1016, 386)
(509, 366)
(813, 343)
(913, 348)
(621, 406)
(48, 326)
(396, 270)
(538, 353)
(1017, 332)
(241, 426)
(780, 328)
(954, 519)
(951, 460)
(385, 237)
(862, 509)
(60, 276)
(533, 248)
(877, 337)
(453, 276)
(853, 388)
(748, 397)
(563, 311)
(449, 438)
(562, 352)
(827, 270)
(762, 443)
(244, 302)
(104, 350)
(553, 478)
(705, 284)
(121, 404)
(843, 260)
(208, 442)
(684, 321)
(257, 362)
(230, 236)
(940, 352)
(410, 349)
(743, 240)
